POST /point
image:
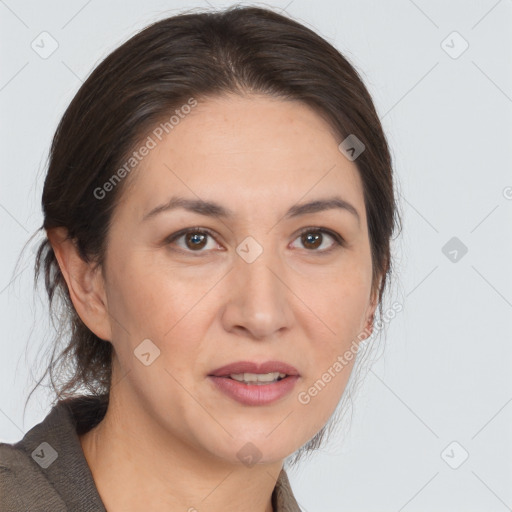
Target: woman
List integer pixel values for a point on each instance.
(218, 208)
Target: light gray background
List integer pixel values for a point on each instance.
(445, 374)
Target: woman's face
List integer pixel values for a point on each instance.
(252, 288)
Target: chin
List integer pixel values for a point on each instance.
(257, 447)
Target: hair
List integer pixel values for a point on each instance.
(239, 50)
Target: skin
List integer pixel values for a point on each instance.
(170, 438)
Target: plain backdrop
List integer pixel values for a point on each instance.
(431, 429)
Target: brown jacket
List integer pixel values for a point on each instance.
(47, 469)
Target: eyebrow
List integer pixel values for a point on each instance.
(212, 209)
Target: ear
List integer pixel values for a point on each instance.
(370, 312)
(85, 284)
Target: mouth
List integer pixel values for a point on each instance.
(254, 393)
(257, 379)
(255, 384)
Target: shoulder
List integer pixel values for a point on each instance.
(10, 486)
(46, 469)
(13, 465)
(22, 486)
(28, 475)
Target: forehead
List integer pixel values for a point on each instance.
(245, 147)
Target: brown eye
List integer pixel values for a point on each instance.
(194, 240)
(312, 239)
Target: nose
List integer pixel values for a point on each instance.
(258, 301)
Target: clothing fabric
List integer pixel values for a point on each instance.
(47, 470)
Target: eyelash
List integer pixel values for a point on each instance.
(338, 239)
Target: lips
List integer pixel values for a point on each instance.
(252, 367)
(254, 395)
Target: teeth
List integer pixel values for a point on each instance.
(256, 378)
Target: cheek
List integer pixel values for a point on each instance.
(149, 300)
(144, 294)
(333, 346)
(321, 393)
(341, 300)
(339, 306)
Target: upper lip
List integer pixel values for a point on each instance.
(251, 367)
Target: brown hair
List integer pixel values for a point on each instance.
(238, 50)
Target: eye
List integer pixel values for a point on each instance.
(313, 238)
(195, 239)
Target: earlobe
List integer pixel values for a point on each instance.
(369, 328)
(84, 281)
(370, 315)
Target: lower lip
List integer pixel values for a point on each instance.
(254, 394)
